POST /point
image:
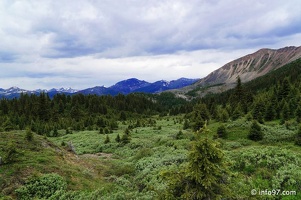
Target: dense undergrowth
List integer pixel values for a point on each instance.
(113, 170)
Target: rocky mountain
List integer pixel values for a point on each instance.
(247, 68)
(252, 66)
(123, 87)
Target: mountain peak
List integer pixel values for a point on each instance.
(252, 65)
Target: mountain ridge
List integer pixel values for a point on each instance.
(123, 87)
(252, 65)
(248, 67)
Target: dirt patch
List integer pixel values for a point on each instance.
(99, 155)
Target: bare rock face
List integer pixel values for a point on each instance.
(252, 66)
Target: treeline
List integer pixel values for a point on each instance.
(77, 112)
(276, 95)
(45, 115)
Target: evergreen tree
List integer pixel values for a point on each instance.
(28, 135)
(298, 137)
(122, 116)
(298, 114)
(285, 112)
(270, 112)
(205, 175)
(117, 139)
(125, 139)
(255, 132)
(238, 112)
(107, 140)
(186, 124)
(224, 115)
(221, 132)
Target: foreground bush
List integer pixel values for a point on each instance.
(42, 187)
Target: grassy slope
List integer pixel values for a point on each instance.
(41, 156)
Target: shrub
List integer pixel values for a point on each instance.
(10, 153)
(42, 187)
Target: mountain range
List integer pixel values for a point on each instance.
(248, 67)
(123, 87)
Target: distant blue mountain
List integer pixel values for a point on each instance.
(129, 85)
(98, 90)
(123, 87)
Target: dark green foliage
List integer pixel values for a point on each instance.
(255, 132)
(125, 139)
(117, 139)
(270, 112)
(238, 112)
(55, 132)
(222, 132)
(224, 115)
(28, 135)
(259, 110)
(80, 112)
(285, 112)
(122, 116)
(10, 153)
(42, 187)
(298, 136)
(186, 124)
(298, 114)
(106, 131)
(204, 177)
(107, 140)
(179, 135)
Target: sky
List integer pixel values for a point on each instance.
(85, 43)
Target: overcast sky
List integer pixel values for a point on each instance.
(84, 43)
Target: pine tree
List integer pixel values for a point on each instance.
(28, 135)
(221, 132)
(117, 139)
(298, 137)
(298, 114)
(255, 132)
(285, 112)
(125, 139)
(107, 140)
(270, 113)
(186, 124)
(205, 175)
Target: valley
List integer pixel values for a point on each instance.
(243, 143)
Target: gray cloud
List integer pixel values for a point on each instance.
(52, 37)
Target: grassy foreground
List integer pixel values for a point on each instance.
(113, 170)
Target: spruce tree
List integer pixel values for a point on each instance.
(117, 139)
(255, 132)
(221, 132)
(298, 137)
(205, 175)
(298, 114)
(28, 135)
(107, 140)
